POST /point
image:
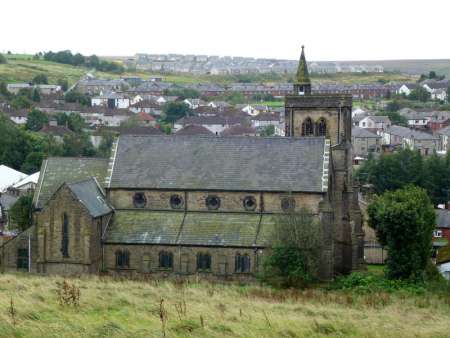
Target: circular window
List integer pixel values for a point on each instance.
(213, 202)
(139, 200)
(176, 201)
(249, 203)
(288, 204)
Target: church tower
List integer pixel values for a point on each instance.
(309, 114)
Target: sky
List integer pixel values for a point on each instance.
(330, 29)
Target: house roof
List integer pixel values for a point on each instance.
(380, 119)
(209, 120)
(136, 130)
(143, 116)
(194, 228)
(442, 218)
(91, 196)
(58, 170)
(33, 178)
(219, 163)
(9, 176)
(410, 133)
(238, 130)
(193, 129)
(444, 131)
(363, 133)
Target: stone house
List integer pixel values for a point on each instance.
(365, 142)
(199, 205)
(398, 136)
(374, 123)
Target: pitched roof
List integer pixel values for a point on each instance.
(33, 178)
(239, 130)
(442, 218)
(380, 119)
(219, 163)
(196, 228)
(136, 130)
(55, 130)
(193, 129)
(410, 133)
(91, 196)
(363, 133)
(9, 176)
(58, 170)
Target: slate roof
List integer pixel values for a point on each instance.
(409, 133)
(193, 129)
(91, 196)
(442, 218)
(363, 133)
(173, 228)
(58, 170)
(219, 163)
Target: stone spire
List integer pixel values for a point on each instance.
(302, 85)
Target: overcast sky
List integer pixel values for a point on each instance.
(330, 29)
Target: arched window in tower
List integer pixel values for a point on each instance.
(307, 127)
(321, 127)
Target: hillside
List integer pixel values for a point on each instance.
(22, 68)
(123, 308)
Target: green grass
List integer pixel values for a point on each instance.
(22, 68)
(123, 308)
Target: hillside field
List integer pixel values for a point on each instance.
(124, 308)
(22, 68)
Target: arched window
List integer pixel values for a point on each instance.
(242, 263)
(165, 260)
(307, 127)
(122, 259)
(287, 204)
(203, 262)
(139, 200)
(65, 236)
(321, 127)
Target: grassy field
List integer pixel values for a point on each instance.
(22, 68)
(124, 308)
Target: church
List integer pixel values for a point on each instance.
(198, 205)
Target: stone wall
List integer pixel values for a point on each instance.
(10, 250)
(144, 259)
(229, 201)
(84, 236)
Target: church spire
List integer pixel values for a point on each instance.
(302, 85)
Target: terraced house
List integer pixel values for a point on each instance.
(203, 205)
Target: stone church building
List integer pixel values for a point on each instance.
(203, 205)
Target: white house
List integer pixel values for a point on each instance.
(28, 183)
(418, 120)
(407, 88)
(111, 100)
(374, 122)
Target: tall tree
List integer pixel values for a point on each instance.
(404, 221)
(40, 79)
(36, 120)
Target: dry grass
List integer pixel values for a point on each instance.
(124, 308)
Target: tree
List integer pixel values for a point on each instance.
(297, 241)
(268, 131)
(3, 59)
(420, 94)
(392, 106)
(175, 110)
(404, 221)
(77, 145)
(32, 162)
(36, 120)
(36, 96)
(40, 79)
(21, 212)
(432, 74)
(73, 96)
(104, 149)
(63, 83)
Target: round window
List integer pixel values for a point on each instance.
(249, 203)
(287, 204)
(213, 202)
(139, 200)
(176, 201)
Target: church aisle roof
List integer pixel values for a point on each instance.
(171, 228)
(219, 229)
(144, 227)
(91, 196)
(219, 163)
(58, 170)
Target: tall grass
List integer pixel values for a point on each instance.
(110, 307)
